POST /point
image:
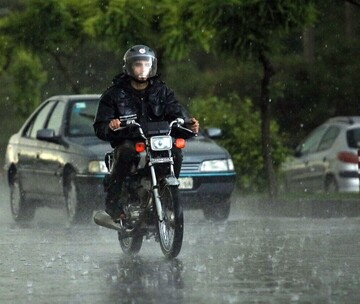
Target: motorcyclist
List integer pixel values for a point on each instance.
(138, 90)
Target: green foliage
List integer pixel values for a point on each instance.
(28, 78)
(123, 23)
(241, 27)
(240, 124)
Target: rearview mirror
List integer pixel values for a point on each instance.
(213, 132)
(48, 135)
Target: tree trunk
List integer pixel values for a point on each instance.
(349, 27)
(265, 125)
(309, 44)
(67, 75)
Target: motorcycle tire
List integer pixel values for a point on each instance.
(171, 229)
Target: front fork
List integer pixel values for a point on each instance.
(155, 189)
(155, 186)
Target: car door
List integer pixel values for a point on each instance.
(51, 155)
(299, 171)
(29, 150)
(318, 162)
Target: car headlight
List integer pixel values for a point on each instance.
(217, 165)
(97, 166)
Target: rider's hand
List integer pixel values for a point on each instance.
(194, 125)
(114, 124)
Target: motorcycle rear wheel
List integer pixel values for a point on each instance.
(171, 229)
(130, 245)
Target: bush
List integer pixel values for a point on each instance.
(240, 124)
(28, 78)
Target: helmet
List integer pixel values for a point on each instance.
(140, 53)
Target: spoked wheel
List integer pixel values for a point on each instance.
(171, 229)
(22, 210)
(130, 245)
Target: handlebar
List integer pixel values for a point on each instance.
(178, 122)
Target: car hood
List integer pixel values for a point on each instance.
(92, 145)
(201, 148)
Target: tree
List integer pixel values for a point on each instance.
(52, 28)
(243, 29)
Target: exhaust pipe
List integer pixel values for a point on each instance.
(101, 218)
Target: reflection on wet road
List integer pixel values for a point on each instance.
(248, 259)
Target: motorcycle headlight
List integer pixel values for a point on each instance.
(97, 166)
(160, 143)
(217, 165)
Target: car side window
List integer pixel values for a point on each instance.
(329, 137)
(353, 138)
(55, 119)
(81, 118)
(311, 143)
(38, 122)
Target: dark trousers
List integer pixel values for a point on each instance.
(124, 163)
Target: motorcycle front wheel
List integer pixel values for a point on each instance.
(171, 229)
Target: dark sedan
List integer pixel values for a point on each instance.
(55, 160)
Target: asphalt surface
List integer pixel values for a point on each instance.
(263, 254)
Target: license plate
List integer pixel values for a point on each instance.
(186, 183)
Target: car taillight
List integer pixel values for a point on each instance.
(180, 143)
(347, 157)
(140, 147)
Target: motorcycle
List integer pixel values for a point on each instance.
(150, 194)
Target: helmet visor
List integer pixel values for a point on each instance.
(141, 67)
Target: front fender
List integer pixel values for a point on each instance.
(171, 181)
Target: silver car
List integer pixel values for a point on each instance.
(327, 160)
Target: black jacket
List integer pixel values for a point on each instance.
(121, 99)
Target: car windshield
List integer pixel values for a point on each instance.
(81, 117)
(353, 138)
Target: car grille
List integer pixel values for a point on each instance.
(190, 167)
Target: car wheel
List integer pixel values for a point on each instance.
(75, 206)
(331, 185)
(218, 210)
(22, 210)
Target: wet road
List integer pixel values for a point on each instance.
(248, 259)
